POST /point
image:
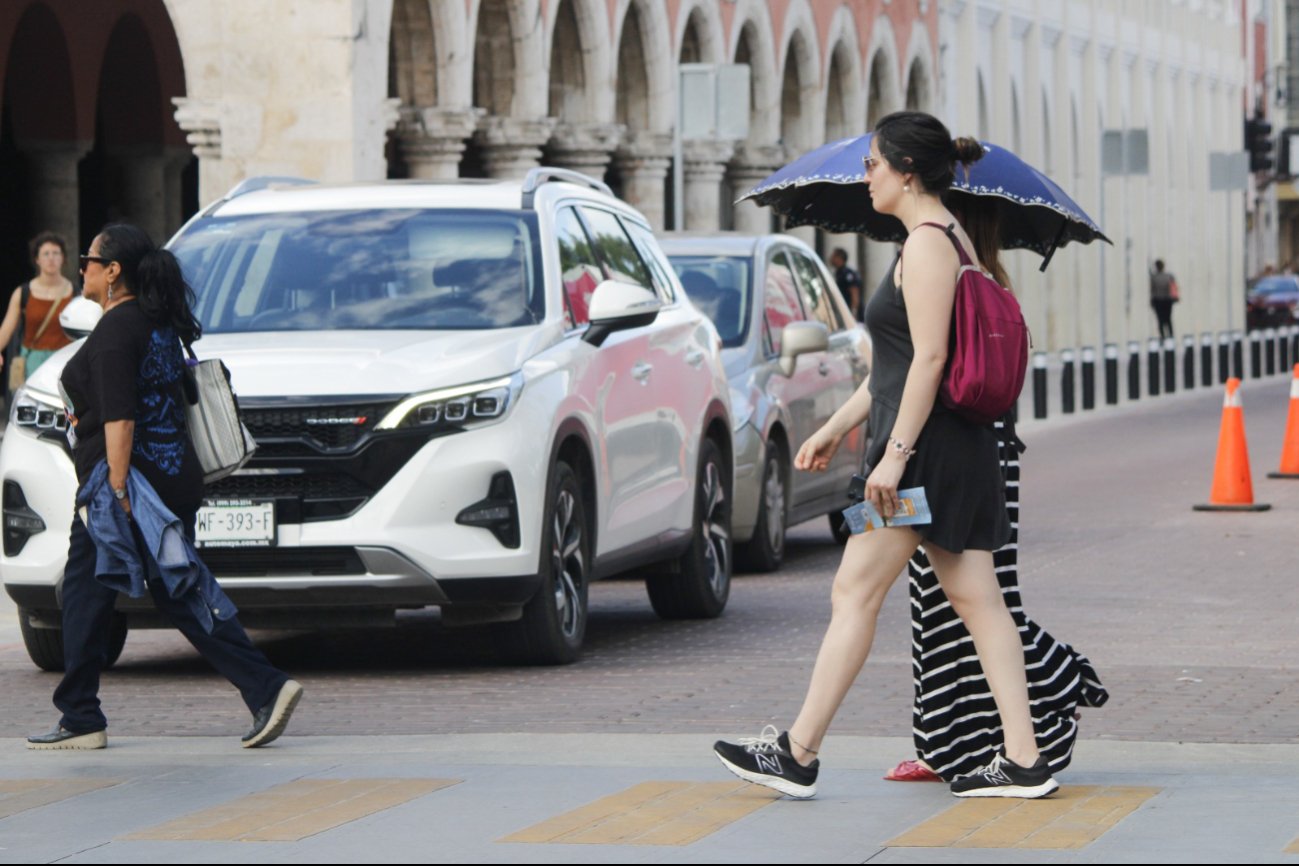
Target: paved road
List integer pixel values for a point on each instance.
(1187, 616)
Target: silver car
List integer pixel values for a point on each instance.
(793, 355)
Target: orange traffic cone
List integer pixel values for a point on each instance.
(1232, 488)
(1290, 449)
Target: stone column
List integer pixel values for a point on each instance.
(705, 166)
(201, 121)
(432, 140)
(174, 162)
(143, 190)
(642, 161)
(512, 146)
(751, 165)
(585, 147)
(56, 200)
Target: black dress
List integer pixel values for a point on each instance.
(956, 460)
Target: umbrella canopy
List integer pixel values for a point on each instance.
(823, 188)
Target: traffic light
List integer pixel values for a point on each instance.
(1258, 141)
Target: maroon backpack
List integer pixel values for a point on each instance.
(988, 356)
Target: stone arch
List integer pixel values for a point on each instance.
(699, 33)
(882, 92)
(571, 60)
(496, 62)
(844, 99)
(38, 89)
(920, 90)
(800, 82)
(413, 54)
(754, 44)
(644, 96)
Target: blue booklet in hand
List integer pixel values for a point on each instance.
(913, 508)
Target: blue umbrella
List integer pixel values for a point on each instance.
(823, 188)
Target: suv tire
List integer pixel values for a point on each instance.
(553, 624)
(766, 550)
(839, 527)
(700, 582)
(45, 645)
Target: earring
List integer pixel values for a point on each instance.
(110, 291)
(906, 187)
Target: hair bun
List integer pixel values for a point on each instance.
(967, 149)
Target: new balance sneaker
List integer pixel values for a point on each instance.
(767, 760)
(1004, 778)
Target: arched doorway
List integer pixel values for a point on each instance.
(412, 71)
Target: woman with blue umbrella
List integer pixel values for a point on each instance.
(917, 442)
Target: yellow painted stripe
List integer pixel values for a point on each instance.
(1293, 847)
(1074, 818)
(19, 795)
(293, 811)
(652, 813)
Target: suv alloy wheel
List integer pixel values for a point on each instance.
(766, 550)
(700, 583)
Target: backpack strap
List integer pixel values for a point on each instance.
(950, 231)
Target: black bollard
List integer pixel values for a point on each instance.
(1134, 370)
(1283, 349)
(1255, 355)
(1238, 354)
(1170, 365)
(1224, 357)
(1088, 378)
(1206, 360)
(1188, 362)
(1111, 374)
(1269, 351)
(1039, 384)
(1066, 382)
(1152, 367)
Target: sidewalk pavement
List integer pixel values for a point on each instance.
(561, 798)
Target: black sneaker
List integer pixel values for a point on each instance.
(62, 738)
(271, 720)
(1004, 778)
(767, 760)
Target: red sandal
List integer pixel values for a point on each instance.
(911, 771)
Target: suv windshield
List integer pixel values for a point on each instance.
(373, 270)
(720, 287)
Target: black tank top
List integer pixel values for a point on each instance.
(891, 347)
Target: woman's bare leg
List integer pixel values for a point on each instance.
(970, 583)
(871, 563)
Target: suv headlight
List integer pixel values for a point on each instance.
(457, 408)
(39, 413)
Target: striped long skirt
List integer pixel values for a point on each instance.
(956, 726)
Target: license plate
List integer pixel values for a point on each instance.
(236, 523)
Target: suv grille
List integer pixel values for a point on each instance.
(282, 561)
(327, 428)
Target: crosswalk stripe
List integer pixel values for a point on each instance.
(19, 795)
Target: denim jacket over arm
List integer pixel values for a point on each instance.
(173, 559)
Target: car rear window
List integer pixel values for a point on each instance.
(720, 286)
(367, 270)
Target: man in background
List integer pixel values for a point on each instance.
(848, 281)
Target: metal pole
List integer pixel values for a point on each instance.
(1152, 367)
(1134, 370)
(1238, 354)
(1206, 360)
(1224, 357)
(1269, 345)
(1188, 362)
(1039, 384)
(1111, 374)
(1255, 355)
(1088, 378)
(1170, 365)
(1067, 382)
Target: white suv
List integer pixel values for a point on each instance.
(473, 395)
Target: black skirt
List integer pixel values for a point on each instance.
(958, 464)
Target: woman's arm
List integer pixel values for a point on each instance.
(118, 436)
(12, 314)
(930, 264)
(816, 453)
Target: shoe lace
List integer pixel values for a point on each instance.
(765, 743)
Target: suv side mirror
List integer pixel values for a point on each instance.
(79, 317)
(799, 338)
(618, 306)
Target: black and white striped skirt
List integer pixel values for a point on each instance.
(956, 726)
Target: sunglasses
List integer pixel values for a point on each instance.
(870, 162)
(84, 260)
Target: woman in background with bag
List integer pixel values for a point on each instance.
(125, 395)
(31, 324)
(916, 442)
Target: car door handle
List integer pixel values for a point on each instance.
(641, 371)
(695, 358)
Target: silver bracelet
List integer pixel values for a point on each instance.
(901, 447)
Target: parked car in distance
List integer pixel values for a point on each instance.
(793, 355)
(1272, 302)
(476, 396)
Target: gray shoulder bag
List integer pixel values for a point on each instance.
(222, 442)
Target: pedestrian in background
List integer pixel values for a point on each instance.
(848, 280)
(954, 723)
(125, 392)
(916, 442)
(31, 323)
(1163, 294)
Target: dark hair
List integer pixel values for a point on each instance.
(839, 251)
(917, 143)
(1159, 264)
(46, 237)
(154, 276)
(981, 221)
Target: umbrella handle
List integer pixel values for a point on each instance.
(1055, 245)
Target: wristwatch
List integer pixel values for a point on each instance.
(119, 493)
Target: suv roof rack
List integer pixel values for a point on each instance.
(546, 174)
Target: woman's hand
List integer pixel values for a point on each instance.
(882, 485)
(818, 450)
